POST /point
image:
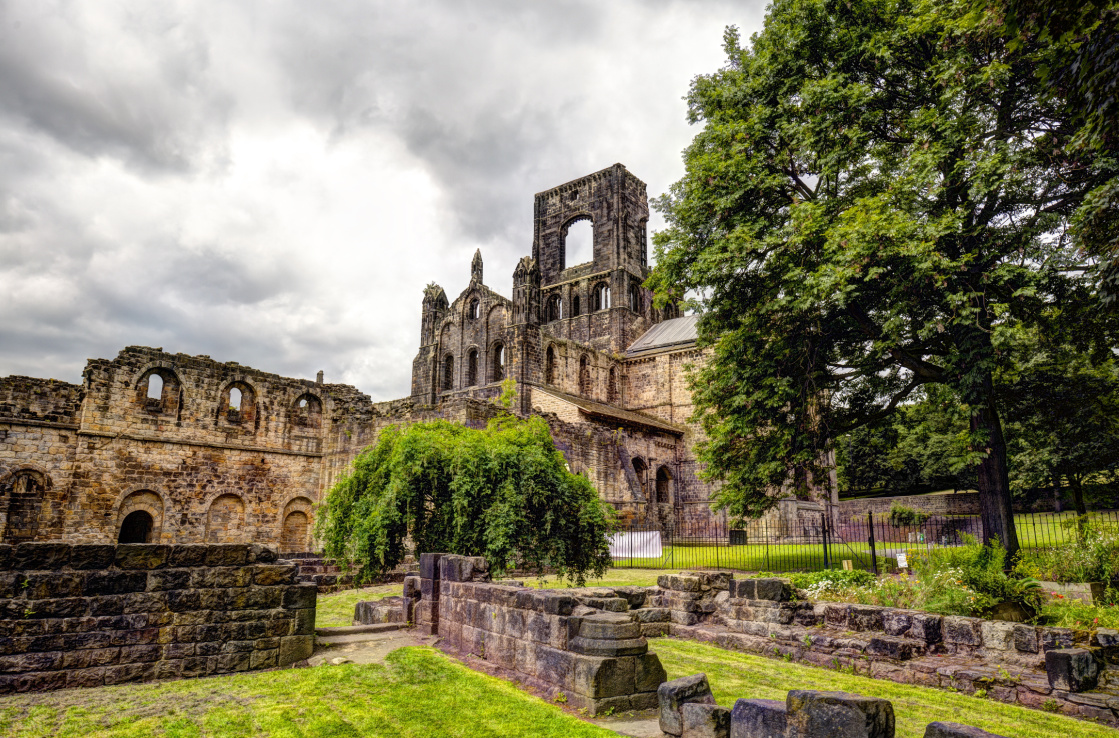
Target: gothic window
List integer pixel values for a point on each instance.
(635, 299)
(550, 366)
(475, 309)
(575, 306)
(448, 373)
(555, 308)
(612, 386)
(155, 388)
(472, 368)
(498, 363)
(584, 376)
(641, 470)
(664, 485)
(307, 412)
(601, 296)
(578, 243)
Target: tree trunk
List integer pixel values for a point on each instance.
(994, 482)
(1077, 494)
(1056, 493)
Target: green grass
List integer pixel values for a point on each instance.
(418, 692)
(615, 577)
(736, 675)
(337, 609)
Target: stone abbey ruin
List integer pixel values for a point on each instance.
(157, 447)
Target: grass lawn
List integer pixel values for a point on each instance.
(418, 692)
(337, 609)
(736, 675)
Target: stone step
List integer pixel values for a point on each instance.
(339, 640)
(342, 630)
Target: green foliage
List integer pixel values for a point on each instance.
(876, 187)
(1092, 554)
(901, 516)
(838, 577)
(1071, 613)
(503, 492)
(970, 579)
(508, 393)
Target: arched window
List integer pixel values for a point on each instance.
(584, 376)
(555, 309)
(24, 504)
(664, 485)
(475, 309)
(498, 363)
(307, 412)
(602, 296)
(641, 470)
(225, 520)
(472, 368)
(575, 306)
(578, 242)
(550, 366)
(136, 527)
(612, 386)
(239, 403)
(635, 299)
(158, 391)
(448, 373)
(293, 537)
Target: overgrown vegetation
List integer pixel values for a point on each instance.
(503, 492)
(1090, 555)
(901, 516)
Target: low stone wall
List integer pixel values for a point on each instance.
(1072, 671)
(688, 710)
(549, 639)
(961, 503)
(84, 615)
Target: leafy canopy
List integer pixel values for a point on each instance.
(503, 492)
(877, 185)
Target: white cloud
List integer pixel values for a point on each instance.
(274, 183)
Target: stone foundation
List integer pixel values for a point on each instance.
(85, 615)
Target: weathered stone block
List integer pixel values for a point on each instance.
(555, 666)
(609, 626)
(835, 615)
(300, 596)
(812, 714)
(599, 678)
(955, 730)
(187, 555)
(296, 648)
(926, 627)
(38, 556)
(963, 631)
(227, 554)
(701, 720)
(42, 585)
(1071, 669)
(114, 582)
(142, 555)
(673, 695)
(648, 673)
(1055, 638)
(684, 618)
(864, 617)
(635, 596)
(758, 719)
(266, 575)
(552, 603)
(1025, 638)
(898, 649)
(165, 579)
(429, 565)
(258, 554)
(651, 615)
(998, 635)
(92, 555)
(896, 622)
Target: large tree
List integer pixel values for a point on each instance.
(877, 185)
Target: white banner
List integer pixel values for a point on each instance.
(645, 544)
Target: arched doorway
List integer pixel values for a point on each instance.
(136, 527)
(293, 538)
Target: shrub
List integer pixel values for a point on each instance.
(971, 579)
(503, 492)
(900, 516)
(1091, 556)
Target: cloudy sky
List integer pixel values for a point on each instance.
(274, 183)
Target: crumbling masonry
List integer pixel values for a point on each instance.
(155, 447)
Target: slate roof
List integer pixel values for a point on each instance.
(668, 335)
(611, 413)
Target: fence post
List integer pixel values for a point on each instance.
(824, 519)
(873, 555)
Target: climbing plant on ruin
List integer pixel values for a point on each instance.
(877, 186)
(503, 492)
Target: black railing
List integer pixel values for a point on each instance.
(816, 540)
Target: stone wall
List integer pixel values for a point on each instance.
(961, 503)
(85, 615)
(1073, 671)
(550, 639)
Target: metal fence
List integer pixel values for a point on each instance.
(821, 540)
